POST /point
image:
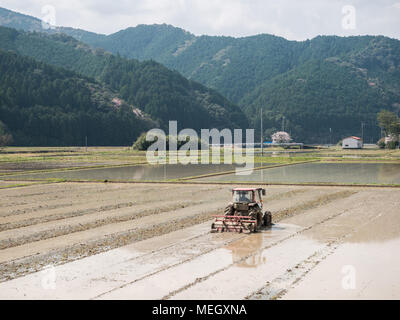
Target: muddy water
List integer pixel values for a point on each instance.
(351, 236)
(356, 271)
(249, 276)
(365, 266)
(193, 264)
(137, 173)
(362, 173)
(94, 276)
(167, 283)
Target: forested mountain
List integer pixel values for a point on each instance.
(336, 99)
(163, 94)
(44, 105)
(321, 89)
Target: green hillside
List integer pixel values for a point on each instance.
(250, 72)
(163, 94)
(343, 80)
(321, 101)
(43, 105)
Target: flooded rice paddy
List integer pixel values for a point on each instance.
(342, 173)
(313, 172)
(134, 173)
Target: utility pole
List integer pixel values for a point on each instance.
(86, 142)
(262, 134)
(283, 123)
(362, 130)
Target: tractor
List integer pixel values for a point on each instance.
(244, 214)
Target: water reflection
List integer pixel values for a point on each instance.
(248, 247)
(138, 172)
(363, 173)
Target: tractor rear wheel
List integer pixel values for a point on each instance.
(256, 215)
(267, 219)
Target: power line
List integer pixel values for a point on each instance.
(262, 134)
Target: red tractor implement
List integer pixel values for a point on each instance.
(244, 214)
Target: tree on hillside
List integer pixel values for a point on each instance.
(389, 122)
(5, 137)
(395, 127)
(269, 132)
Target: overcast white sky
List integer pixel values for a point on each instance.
(294, 20)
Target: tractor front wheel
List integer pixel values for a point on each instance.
(229, 210)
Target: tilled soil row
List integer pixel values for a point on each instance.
(13, 222)
(57, 243)
(61, 216)
(61, 191)
(55, 217)
(56, 188)
(18, 268)
(285, 195)
(47, 165)
(79, 197)
(320, 201)
(74, 197)
(52, 233)
(70, 190)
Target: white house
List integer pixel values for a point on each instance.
(281, 137)
(352, 143)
